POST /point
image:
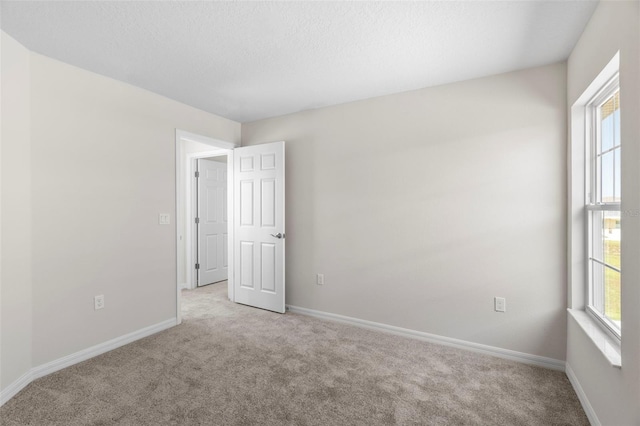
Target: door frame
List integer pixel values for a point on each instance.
(183, 182)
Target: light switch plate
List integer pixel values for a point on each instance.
(163, 219)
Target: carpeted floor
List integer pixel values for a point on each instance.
(229, 364)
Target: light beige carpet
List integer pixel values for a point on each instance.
(229, 364)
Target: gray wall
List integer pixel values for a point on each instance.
(420, 207)
(15, 291)
(614, 393)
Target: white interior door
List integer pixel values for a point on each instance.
(212, 264)
(259, 240)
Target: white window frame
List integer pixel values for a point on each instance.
(593, 188)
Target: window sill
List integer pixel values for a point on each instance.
(609, 347)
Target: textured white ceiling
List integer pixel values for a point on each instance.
(251, 60)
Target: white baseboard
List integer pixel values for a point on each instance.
(183, 286)
(83, 355)
(582, 396)
(540, 361)
(15, 387)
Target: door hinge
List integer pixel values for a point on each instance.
(197, 266)
(197, 220)
(197, 174)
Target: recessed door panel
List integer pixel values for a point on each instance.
(268, 267)
(246, 164)
(246, 203)
(246, 264)
(211, 209)
(211, 174)
(268, 202)
(211, 253)
(268, 161)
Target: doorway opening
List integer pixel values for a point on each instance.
(190, 149)
(209, 221)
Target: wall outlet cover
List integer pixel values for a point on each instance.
(98, 302)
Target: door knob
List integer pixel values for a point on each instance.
(278, 235)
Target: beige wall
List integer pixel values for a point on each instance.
(95, 221)
(87, 165)
(420, 207)
(15, 289)
(614, 393)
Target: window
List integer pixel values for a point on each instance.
(603, 200)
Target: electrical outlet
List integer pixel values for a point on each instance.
(320, 279)
(98, 302)
(163, 219)
(500, 304)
